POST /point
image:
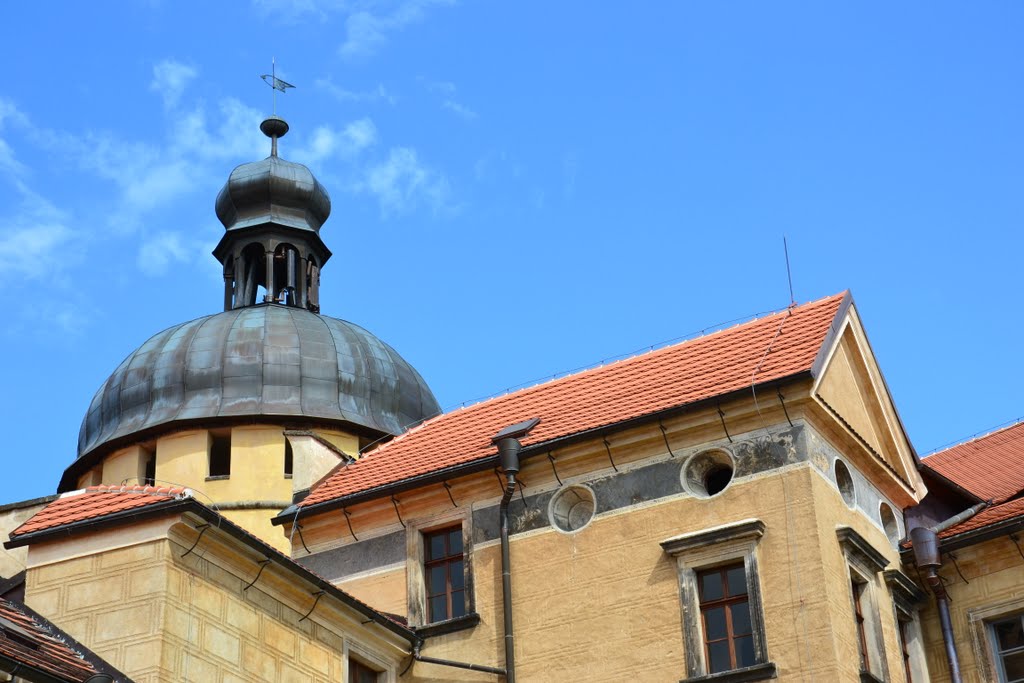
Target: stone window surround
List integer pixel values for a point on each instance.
(980, 621)
(415, 580)
(703, 550)
(864, 564)
(354, 651)
(907, 600)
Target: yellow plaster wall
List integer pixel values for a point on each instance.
(123, 466)
(995, 570)
(603, 604)
(160, 615)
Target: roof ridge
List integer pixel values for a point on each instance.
(974, 438)
(644, 351)
(544, 385)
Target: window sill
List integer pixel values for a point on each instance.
(448, 626)
(868, 677)
(758, 672)
(218, 477)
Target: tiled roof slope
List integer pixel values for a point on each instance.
(991, 516)
(991, 466)
(95, 502)
(32, 641)
(670, 377)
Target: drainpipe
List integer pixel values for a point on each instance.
(928, 558)
(507, 441)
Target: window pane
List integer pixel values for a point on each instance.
(1010, 634)
(438, 580)
(455, 542)
(711, 586)
(737, 579)
(741, 619)
(458, 603)
(435, 547)
(718, 656)
(714, 623)
(744, 651)
(458, 579)
(1014, 665)
(438, 608)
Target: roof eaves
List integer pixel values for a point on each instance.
(100, 522)
(482, 464)
(1003, 527)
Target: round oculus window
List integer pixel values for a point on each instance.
(889, 523)
(572, 508)
(844, 480)
(709, 473)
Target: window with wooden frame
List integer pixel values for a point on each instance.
(361, 673)
(857, 589)
(907, 599)
(444, 574)
(865, 564)
(725, 615)
(1008, 648)
(723, 620)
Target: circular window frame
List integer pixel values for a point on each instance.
(699, 466)
(584, 494)
(892, 531)
(843, 478)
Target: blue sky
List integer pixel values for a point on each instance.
(602, 176)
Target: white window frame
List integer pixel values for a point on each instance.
(983, 635)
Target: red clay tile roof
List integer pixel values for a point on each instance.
(32, 641)
(997, 514)
(991, 466)
(95, 502)
(670, 377)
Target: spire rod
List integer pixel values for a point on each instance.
(275, 83)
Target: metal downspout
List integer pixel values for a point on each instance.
(506, 581)
(928, 558)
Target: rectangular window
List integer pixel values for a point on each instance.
(857, 589)
(725, 614)
(220, 455)
(360, 673)
(723, 620)
(444, 574)
(904, 628)
(1008, 645)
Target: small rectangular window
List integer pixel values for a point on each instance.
(147, 468)
(857, 593)
(220, 455)
(904, 628)
(725, 614)
(360, 673)
(444, 574)
(288, 457)
(1008, 645)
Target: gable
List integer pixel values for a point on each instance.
(851, 387)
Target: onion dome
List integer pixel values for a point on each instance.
(273, 191)
(261, 361)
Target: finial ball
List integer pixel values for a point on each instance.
(274, 127)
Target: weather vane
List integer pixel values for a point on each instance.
(274, 82)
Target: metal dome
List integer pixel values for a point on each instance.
(261, 361)
(273, 190)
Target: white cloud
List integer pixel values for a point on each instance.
(170, 78)
(378, 94)
(158, 252)
(401, 183)
(346, 143)
(367, 30)
(459, 110)
(36, 239)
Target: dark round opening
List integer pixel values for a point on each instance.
(717, 479)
